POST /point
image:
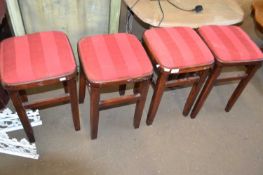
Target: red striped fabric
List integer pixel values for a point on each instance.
(36, 57)
(230, 44)
(113, 57)
(177, 47)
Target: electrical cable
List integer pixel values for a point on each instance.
(197, 9)
(160, 6)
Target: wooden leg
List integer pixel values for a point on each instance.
(206, 90)
(251, 70)
(94, 111)
(65, 85)
(156, 98)
(23, 96)
(122, 89)
(82, 86)
(194, 92)
(143, 90)
(136, 87)
(17, 102)
(74, 102)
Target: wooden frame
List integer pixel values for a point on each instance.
(19, 99)
(251, 68)
(194, 76)
(139, 97)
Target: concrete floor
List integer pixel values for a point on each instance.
(216, 142)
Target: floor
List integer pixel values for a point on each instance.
(216, 142)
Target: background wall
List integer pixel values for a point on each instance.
(77, 18)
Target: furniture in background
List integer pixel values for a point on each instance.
(180, 58)
(4, 33)
(108, 60)
(34, 60)
(257, 7)
(219, 12)
(231, 47)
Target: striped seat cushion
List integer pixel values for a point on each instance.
(230, 44)
(177, 47)
(35, 57)
(113, 57)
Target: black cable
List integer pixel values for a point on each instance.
(160, 6)
(198, 8)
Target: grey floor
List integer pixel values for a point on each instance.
(216, 142)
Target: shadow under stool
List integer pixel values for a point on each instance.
(35, 60)
(108, 60)
(180, 58)
(231, 47)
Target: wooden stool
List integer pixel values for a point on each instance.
(35, 60)
(180, 58)
(108, 60)
(231, 47)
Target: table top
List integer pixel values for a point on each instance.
(215, 12)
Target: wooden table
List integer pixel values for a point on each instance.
(258, 11)
(217, 12)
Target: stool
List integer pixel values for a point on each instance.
(231, 47)
(35, 60)
(108, 60)
(180, 58)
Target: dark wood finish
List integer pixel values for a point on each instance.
(47, 102)
(65, 86)
(156, 98)
(23, 95)
(180, 82)
(195, 75)
(139, 97)
(72, 88)
(94, 111)
(82, 86)
(142, 89)
(4, 98)
(18, 92)
(194, 92)
(122, 89)
(251, 70)
(206, 90)
(17, 102)
(252, 67)
(104, 104)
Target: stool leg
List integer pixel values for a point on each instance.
(206, 90)
(82, 86)
(156, 98)
(23, 95)
(251, 70)
(22, 115)
(94, 111)
(74, 102)
(122, 89)
(143, 90)
(194, 92)
(136, 87)
(65, 86)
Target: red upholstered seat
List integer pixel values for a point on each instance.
(178, 47)
(35, 57)
(230, 44)
(113, 57)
